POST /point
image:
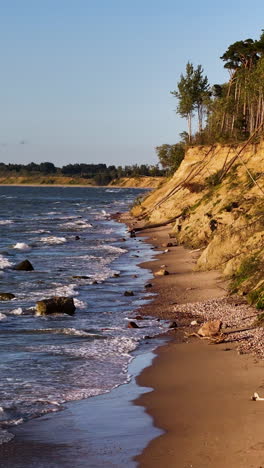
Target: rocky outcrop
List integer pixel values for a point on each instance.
(55, 305)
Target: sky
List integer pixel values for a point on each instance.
(89, 80)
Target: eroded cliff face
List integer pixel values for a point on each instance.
(138, 182)
(216, 202)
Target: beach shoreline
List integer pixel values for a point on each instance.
(48, 441)
(188, 391)
(201, 395)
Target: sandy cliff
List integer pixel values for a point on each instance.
(216, 203)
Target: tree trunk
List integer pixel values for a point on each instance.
(189, 118)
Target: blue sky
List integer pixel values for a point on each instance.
(90, 81)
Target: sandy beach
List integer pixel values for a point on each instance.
(201, 394)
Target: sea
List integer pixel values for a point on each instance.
(77, 250)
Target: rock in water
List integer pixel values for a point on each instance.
(132, 325)
(210, 328)
(6, 296)
(56, 305)
(25, 265)
(128, 293)
(173, 325)
(148, 285)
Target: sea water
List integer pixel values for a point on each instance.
(77, 250)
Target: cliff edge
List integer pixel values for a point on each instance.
(215, 202)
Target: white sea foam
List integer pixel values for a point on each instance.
(115, 190)
(113, 249)
(53, 240)
(110, 248)
(69, 331)
(113, 347)
(2, 316)
(69, 217)
(5, 436)
(4, 222)
(79, 304)
(40, 231)
(102, 215)
(4, 262)
(15, 422)
(78, 224)
(22, 246)
(67, 290)
(17, 311)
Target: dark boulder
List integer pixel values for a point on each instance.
(132, 325)
(56, 305)
(132, 233)
(173, 325)
(128, 293)
(25, 265)
(148, 285)
(6, 296)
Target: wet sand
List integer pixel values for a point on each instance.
(103, 431)
(202, 393)
(202, 400)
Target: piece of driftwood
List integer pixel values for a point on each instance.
(238, 330)
(221, 336)
(256, 397)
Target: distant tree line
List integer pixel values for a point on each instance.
(100, 173)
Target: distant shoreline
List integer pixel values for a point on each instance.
(133, 182)
(68, 185)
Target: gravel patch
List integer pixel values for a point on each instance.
(234, 312)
